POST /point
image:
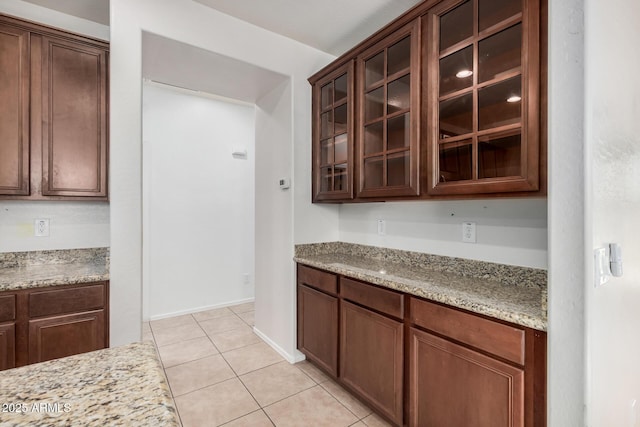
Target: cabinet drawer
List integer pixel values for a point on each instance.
(382, 300)
(321, 280)
(496, 338)
(60, 301)
(7, 308)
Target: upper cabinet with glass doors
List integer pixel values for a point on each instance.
(446, 101)
(483, 96)
(388, 120)
(333, 135)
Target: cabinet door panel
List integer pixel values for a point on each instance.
(61, 336)
(74, 119)
(371, 358)
(318, 327)
(7, 346)
(14, 111)
(453, 386)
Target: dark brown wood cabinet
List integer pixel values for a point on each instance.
(318, 317)
(388, 115)
(48, 323)
(7, 346)
(450, 103)
(14, 110)
(452, 385)
(420, 363)
(483, 96)
(371, 358)
(333, 135)
(54, 125)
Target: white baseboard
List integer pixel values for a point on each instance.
(291, 358)
(199, 309)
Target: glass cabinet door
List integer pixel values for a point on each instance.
(483, 96)
(333, 135)
(388, 91)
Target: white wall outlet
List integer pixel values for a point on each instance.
(469, 232)
(382, 227)
(41, 228)
(246, 278)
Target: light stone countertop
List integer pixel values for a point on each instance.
(25, 270)
(493, 293)
(121, 386)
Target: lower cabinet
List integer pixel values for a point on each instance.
(318, 317)
(371, 358)
(318, 327)
(66, 335)
(419, 363)
(457, 387)
(7, 346)
(48, 323)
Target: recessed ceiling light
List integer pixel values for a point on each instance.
(514, 98)
(462, 74)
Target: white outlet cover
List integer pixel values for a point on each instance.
(41, 227)
(469, 232)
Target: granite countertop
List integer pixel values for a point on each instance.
(515, 294)
(123, 386)
(25, 270)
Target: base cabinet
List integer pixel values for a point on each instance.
(371, 358)
(61, 336)
(48, 323)
(420, 363)
(318, 327)
(7, 346)
(454, 386)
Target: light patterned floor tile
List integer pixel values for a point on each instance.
(235, 338)
(215, 405)
(276, 382)
(186, 351)
(180, 333)
(198, 374)
(212, 314)
(222, 324)
(313, 407)
(254, 419)
(316, 374)
(248, 317)
(252, 357)
(374, 420)
(173, 322)
(242, 308)
(347, 399)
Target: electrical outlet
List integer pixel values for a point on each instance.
(469, 232)
(246, 278)
(382, 227)
(41, 228)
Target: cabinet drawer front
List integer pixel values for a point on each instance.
(59, 301)
(496, 338)
(321, 280)
(382, 300)
(7, 308)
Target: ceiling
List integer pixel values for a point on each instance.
(93, 10)
(333, 26)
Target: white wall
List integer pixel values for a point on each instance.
(612, 131)
(199, 201)
(73, 224)
(507, 231)
(192, 23)
(565, 337)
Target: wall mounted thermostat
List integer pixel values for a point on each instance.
(284, 183)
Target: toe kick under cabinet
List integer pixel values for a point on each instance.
(420, 363)
(48, 323)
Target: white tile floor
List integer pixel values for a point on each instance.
(221, 373)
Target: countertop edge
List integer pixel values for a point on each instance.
(517, 318)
